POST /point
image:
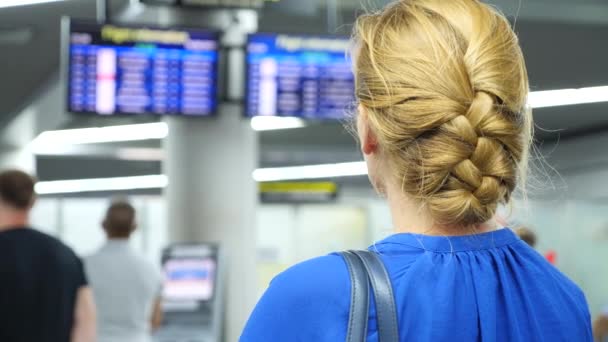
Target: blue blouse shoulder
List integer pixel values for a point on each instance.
(488, 286)
(313, 292)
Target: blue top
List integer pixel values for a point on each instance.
(485, 287)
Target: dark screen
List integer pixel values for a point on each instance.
(136, 70)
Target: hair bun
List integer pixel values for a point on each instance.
(481, 175)
(445, 85)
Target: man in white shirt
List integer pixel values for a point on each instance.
(126, 287)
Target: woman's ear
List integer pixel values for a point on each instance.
(367, 137)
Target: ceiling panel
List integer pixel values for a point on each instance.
(26, 67)
(567, 122)
(565, 55)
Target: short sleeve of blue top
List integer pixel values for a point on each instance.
(486, 287)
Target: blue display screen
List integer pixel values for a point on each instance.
(139, 70)
(300, 76)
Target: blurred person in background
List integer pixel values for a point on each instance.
(44, 294)
(527, 235)
(600, 327)
(445, 130)
(126, 286)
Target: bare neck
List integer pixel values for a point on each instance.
(117, 239)
(12, 219)
(410, 217)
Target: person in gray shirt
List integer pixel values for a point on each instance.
(126, 287)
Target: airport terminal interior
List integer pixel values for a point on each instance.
(228, 125)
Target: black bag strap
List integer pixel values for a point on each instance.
(365, 264)
(359, 298)
(386, 311)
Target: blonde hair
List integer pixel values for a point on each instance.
(445, 86)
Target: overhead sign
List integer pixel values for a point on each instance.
(300, 76)
(298, 192)
(135, 70)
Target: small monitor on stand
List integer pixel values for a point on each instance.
(192, 284)
(189, 279)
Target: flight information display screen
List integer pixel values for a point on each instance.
(116, 69)
(299, 76)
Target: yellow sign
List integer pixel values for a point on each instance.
(121, 35)
(298, 192)
(300, 187)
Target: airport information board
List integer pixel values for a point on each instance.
(298, 76)
(116, 69)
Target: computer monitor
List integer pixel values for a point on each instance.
(115, 69)
(301, 76)
(189, 279)
(189, 273)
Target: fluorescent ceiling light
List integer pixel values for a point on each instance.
(50, 150)
(14, 3)
(310, 172)
(50, 142)
(101, 184)
(161, 181)
(268, 123)
(564, 97)
(53, 139)
(141, 154)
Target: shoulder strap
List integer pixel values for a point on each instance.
(386, 311)
(359, 298)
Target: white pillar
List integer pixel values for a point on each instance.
(15, 152)
(212, 197)
(17, 158)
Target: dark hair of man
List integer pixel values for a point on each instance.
(17, 189)
(527, 235)
(120, 220)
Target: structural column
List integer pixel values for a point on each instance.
(15, 138)
(212, 197)
(209, 162)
